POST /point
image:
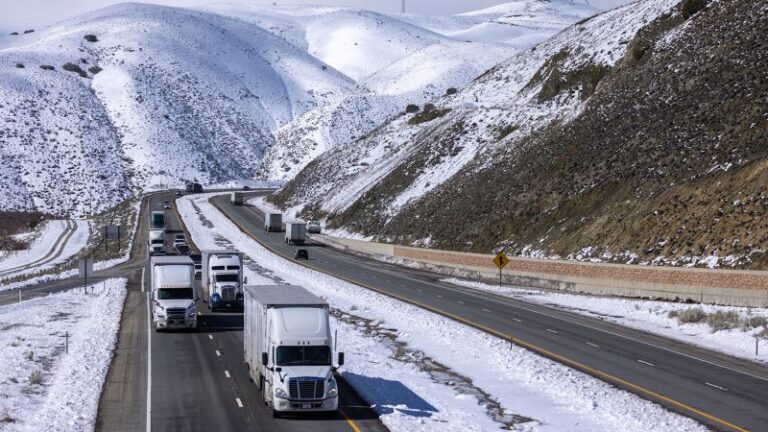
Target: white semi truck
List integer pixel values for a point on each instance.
(236, 198)
(173, 292)
(222, 278)
(288, 348)
(273, 222)
(156, 242)
(295, 233)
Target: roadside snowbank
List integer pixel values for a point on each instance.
(42, 387)
(550, 397)
(646, 315)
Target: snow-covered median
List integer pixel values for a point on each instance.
(658, 317)
(397, 354)
(42, 386)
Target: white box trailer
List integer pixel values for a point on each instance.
(295, 233)
(222, 278)
(173, 292)
(273, 222)
(236, 198)
(288, 346)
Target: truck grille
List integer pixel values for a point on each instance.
(177, 313)
(306, 388)
(228, 293)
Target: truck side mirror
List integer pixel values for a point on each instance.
(245, 281)
(341, 359)
(264, 358)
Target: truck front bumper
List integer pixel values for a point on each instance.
(293, 405)
(176, 323)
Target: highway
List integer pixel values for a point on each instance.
(721, 392)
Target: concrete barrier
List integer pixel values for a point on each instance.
(724, 287)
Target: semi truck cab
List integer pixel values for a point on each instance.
(173, 293)
(223, 278)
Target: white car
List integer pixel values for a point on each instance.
(313, 226)
(166, 205)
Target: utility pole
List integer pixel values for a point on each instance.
(402, 8)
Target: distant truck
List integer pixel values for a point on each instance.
(313, 226)
(156, 242)
(194, 187)
(273, 222)
(295, 233)
(288, 349)
(157, 219)
(173, 292)
(237, 198)
(222, 278)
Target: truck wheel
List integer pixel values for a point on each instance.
(276, 413)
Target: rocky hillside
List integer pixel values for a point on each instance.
(635, 136)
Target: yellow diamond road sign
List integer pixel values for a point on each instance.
(501, 260)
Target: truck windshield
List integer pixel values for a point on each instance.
(174, 294)
(158, 241)
(227, 278)
(303, 356)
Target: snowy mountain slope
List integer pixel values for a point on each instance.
(365, 185)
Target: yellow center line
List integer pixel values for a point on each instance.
(350, 422)
(520, 342)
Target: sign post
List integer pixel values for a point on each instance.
(501, 261)
(85, 268)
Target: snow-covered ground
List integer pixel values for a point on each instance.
(55, 244)
(649, 316)
(532, 393)
(42, 386)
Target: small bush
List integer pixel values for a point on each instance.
(502, 132)
(429, 113)
(691, 7)
(15, 34)
(757, 321)
(723, 320)
(47, 67)
(91, 38)
(20, 65)
(672, 314)
(36, 377)
(411, 108)
(95, 69)
(7, 419)
(451, 91)
(71, 67)
(28, 31)
(692, 315)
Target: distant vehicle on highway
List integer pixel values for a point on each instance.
(166, 205)
(273, 222)
(178, 193)
(222, 279)
(295, 233)
(194, 187)
(246, 188)
(302, 254)
(157, 219)
(182, 249)
(313, 226)
(197, 259)
(173, 293)
(288, 346)
(156, 242)
(179, 242)
(236, 198)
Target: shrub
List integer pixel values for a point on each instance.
(503, 131)
(451, 91)
(691, 315)
(757, 321)
(723, 320)
(91, 38)
(411, 108)
(672, 314)
(15, 34)
(71, 67)
(95, 69)
(36, 377)
(20, 65)
(429, 113)
(691, 7)
(47, 67)
(28, 31)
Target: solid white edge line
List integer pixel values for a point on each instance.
(239, 402)
(143, 270)
(646, 363)
(149, 366)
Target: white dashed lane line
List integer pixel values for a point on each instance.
(716, 386)
(210, 337)
(239, 402)
(593, 345)
(646, 363)
(459, 302)
(486, 310)
(517, 320)
(226, 373)
(218, 354)
(552, 331)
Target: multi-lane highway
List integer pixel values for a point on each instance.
(197, 380)
(721, 392)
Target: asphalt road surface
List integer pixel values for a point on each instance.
(723, 393)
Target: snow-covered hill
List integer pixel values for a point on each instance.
(135, 96)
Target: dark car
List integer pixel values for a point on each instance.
(302, 254)
(246, 187)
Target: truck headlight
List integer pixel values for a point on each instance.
(333, 390)
(279, 392)
(191, 310)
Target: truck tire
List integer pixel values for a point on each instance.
(276, 413)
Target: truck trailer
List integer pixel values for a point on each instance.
(295, 233)
(222, 278)
(236, 198)
(157, 219)
(173, 292)
(288, 346)
(273, 222)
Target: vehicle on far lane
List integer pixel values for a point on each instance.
(173, 293)
(295, 233)
(222, 279)
(166, 205)
(302, 254)
(273, 222)
(313, 226)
